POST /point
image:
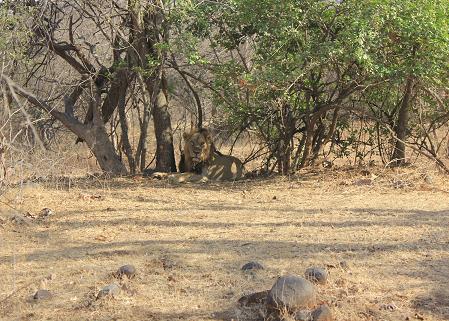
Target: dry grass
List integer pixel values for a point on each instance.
(189, 242)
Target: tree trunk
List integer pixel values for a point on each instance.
(310, 125)
(398, 157)
(124, 81)
(101, 146)
(144, 124)
(165, 154)
(148, 29)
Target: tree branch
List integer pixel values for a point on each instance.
(195, 94)
(70, 122)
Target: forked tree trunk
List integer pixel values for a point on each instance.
(400, 129)
(94, 133)
(97, 139)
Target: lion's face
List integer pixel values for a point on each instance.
(198, 146)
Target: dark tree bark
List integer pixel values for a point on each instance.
(398, 157)
(165, 153)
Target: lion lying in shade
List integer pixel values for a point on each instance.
(202, 162)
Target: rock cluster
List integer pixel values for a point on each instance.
(292, 295)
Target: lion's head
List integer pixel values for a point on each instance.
(198, 148)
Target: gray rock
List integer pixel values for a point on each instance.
(316, 275)
(291, 292)
(252, 266)
(128, 270)
(323, 313)
(42, 295)
(110, 290)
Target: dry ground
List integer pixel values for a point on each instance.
(189, 243)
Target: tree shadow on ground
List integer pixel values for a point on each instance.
(435, 271)
(384, 217)
(436, 301)
(100, 181)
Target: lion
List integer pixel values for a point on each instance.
(201, 161)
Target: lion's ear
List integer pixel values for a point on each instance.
(186, 135)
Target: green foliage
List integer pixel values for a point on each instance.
(405, 37)
(303, 59)
(15, 34)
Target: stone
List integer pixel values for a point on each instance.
(45, 212)
(42, 295)
(323, 313)
(128, 270)
(292, 293)
(254, 298)
(316, 275)
(252, 266)
(109, 290)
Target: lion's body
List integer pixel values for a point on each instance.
(201, 161)
(223, 167)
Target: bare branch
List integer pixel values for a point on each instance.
(194, 93)
(68, 121)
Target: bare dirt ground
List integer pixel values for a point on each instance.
(189, 242)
